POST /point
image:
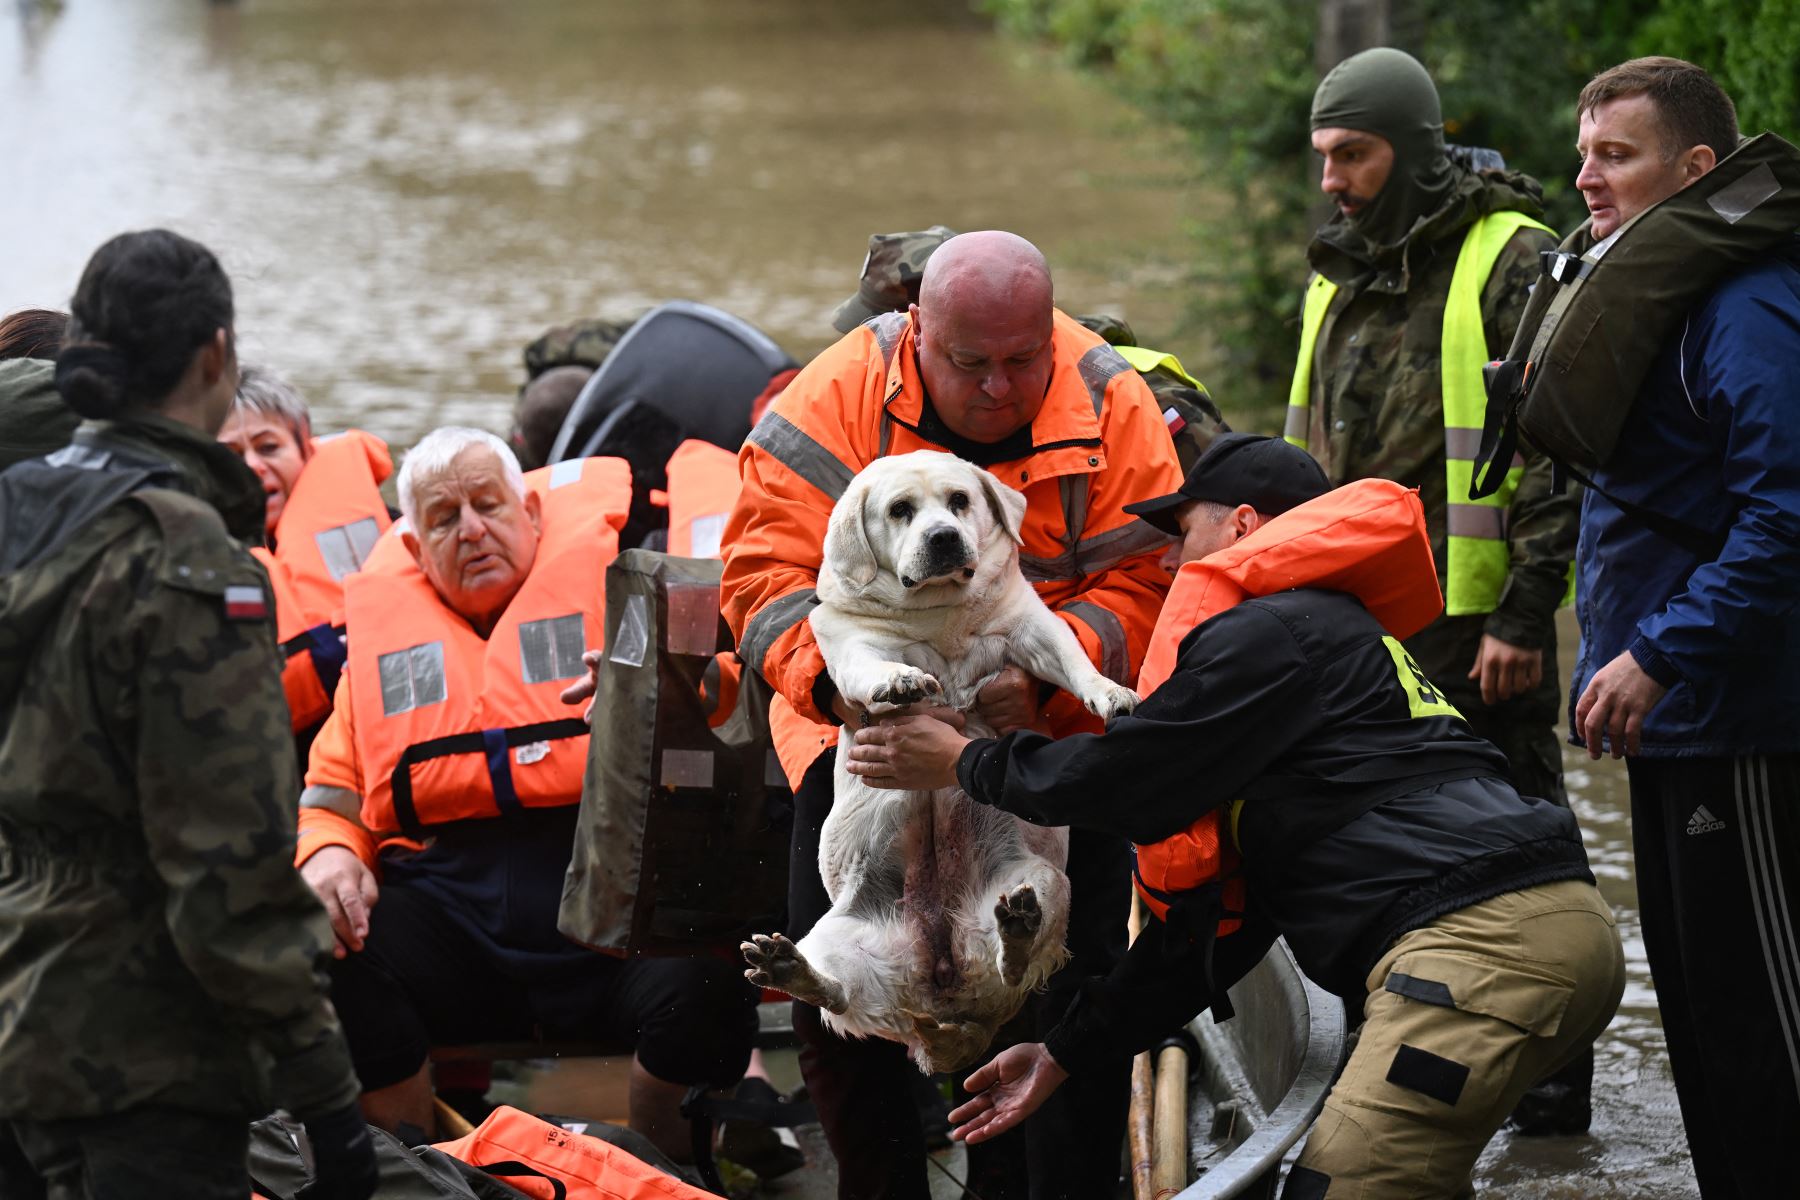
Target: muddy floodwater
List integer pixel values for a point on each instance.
(405, 192)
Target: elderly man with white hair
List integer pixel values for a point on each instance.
(441, 795)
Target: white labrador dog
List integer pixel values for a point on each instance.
(944, 914)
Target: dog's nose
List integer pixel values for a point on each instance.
(944, 539)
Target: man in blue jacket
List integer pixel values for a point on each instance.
(1690, 662)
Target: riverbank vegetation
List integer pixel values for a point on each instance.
(1238, 76)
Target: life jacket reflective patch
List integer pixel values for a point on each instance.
(551, 648)
(344, 548)
(412, 678)
(450, 726)
(334, 517)
(1366, 538)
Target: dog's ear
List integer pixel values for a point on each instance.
(1008, 505)
(848, 551)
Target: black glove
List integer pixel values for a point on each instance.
(343, 1157)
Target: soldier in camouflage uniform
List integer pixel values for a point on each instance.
(1369, 400)
(890, 282)
(162, 965)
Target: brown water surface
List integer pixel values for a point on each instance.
(407, 191)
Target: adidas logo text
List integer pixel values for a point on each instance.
(1703, 822)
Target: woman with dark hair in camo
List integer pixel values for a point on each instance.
(161, 979)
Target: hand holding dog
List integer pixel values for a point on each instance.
(915, 753)
(1007, 1090)
(1009, 701)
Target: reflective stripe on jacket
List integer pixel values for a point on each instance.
(1478, 556)
(1366, 538)
(333, 517)
(1099, 443)
(444, 725)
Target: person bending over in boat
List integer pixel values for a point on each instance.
(322, 513)
(445, 784)
(1295, 756)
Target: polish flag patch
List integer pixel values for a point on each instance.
(245, 603)
(1174, 420)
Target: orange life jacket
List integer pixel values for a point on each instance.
(545, 1160)
(450, 726)
(703, 485)
(332, 520)
(1367, 538)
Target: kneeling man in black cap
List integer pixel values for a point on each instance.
(1291, 772)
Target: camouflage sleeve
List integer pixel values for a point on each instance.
(215, 770)
(1542, 523)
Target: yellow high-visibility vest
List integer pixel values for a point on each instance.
(1144, 361)
(1478, 554)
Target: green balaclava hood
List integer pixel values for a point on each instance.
(1385, 91)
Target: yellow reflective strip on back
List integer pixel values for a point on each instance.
(1145, 360)
(1237, 810)
(1422, 699)
(1319, 292)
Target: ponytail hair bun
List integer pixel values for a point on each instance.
(92, 378)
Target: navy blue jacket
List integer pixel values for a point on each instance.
(1714, 441)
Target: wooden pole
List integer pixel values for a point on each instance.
(450, 1123)
(1140, 1121)
(1169, 1138)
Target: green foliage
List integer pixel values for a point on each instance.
(1752, 47)
(1238, 76)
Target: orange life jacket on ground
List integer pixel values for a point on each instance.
(560, 1164)
(1366, 538)
(450, 726)
(332, 520)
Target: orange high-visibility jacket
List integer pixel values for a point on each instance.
(1100, 444)
(1366, 538)
(433, 723)
(332, 519)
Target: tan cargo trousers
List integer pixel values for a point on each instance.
(1463, 1015)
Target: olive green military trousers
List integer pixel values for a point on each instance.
(1462, 1016)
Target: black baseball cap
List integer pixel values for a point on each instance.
(1264, 472)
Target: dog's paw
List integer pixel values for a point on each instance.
(775, 962)
(1019, 914)
(1110, 701)
(904, 686)
(773, 959)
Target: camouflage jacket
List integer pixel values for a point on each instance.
(156, 943)
(1377, 407)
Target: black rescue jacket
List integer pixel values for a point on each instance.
(1369, 809)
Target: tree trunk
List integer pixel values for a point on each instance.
(1347, 26)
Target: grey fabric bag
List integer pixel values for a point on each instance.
(682, 842)
(1603, 310)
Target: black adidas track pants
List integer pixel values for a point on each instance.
(1717, 842)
